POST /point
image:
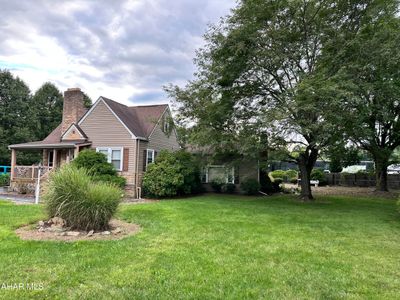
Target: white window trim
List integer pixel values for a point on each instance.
(228, 169)
(147, 155)
(109, 156)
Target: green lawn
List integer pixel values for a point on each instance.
(217, 247)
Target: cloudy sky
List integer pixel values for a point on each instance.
(123, 49)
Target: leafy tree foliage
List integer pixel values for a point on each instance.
(341, 156)
(17, 120)
(370, 80)
(259, 85)
(47, 103)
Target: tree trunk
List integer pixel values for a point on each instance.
(305, 175)
(381, 165)
(306, 162)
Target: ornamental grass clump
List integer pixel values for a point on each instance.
(72, 195)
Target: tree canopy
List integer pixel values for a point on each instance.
(368, 75)
(25, 117)
(259, 83)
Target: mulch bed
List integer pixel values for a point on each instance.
(118, 230)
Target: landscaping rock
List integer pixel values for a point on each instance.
(90, 233)
(116, 230)
(41, 223)
(56, 228)
(41, 229)
(57, 221)
(106, 232)
(73, 233)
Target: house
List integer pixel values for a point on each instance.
(233, 170)
(130, 137)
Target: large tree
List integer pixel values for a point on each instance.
(16, 117)
(47, 104)
(258, 76)
(369, 76)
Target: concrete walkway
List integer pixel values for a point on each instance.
(18, 199)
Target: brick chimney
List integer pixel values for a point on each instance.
(73, 107)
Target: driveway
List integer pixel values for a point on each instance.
(16, 198)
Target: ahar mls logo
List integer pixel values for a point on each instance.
(21, 286)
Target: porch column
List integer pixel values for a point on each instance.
(13, 162)
(45, 158)
(76, 151)
(55, 158)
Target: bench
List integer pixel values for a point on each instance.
(312, 182)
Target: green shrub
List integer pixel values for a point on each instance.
(229, 188)
(277, 174)
(250, 186)
(84, 204)
(101, 170)
(94, 161)
(217, 184)
(172, 174)
(278, 180)
(291, 174)
(318, 174)
(4, 179)
(118, 181)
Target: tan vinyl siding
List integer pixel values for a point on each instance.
(248, 169)
(159, 140)
(105, 130)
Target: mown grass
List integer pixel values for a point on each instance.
(225, 247)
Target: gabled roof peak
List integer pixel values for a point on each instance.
(141, 119)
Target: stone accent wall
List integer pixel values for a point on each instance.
(73, 108)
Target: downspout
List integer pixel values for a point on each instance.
(137, 168)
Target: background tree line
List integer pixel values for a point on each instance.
(294, 79)
(27, 116)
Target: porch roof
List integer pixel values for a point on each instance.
(45, 145)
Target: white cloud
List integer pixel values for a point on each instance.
(125, 50)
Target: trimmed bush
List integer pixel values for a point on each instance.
(318, 174)
(4, 179)
(98, 166)
(229, 188)
(217, 185)
(172, 174)
(250, 186)
(95, 162)
(291, 173)
(277, 174)
(84, 204)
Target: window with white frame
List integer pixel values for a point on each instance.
(214, 172)
(150, 157)
(114, 156)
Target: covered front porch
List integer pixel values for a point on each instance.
(23, 179)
